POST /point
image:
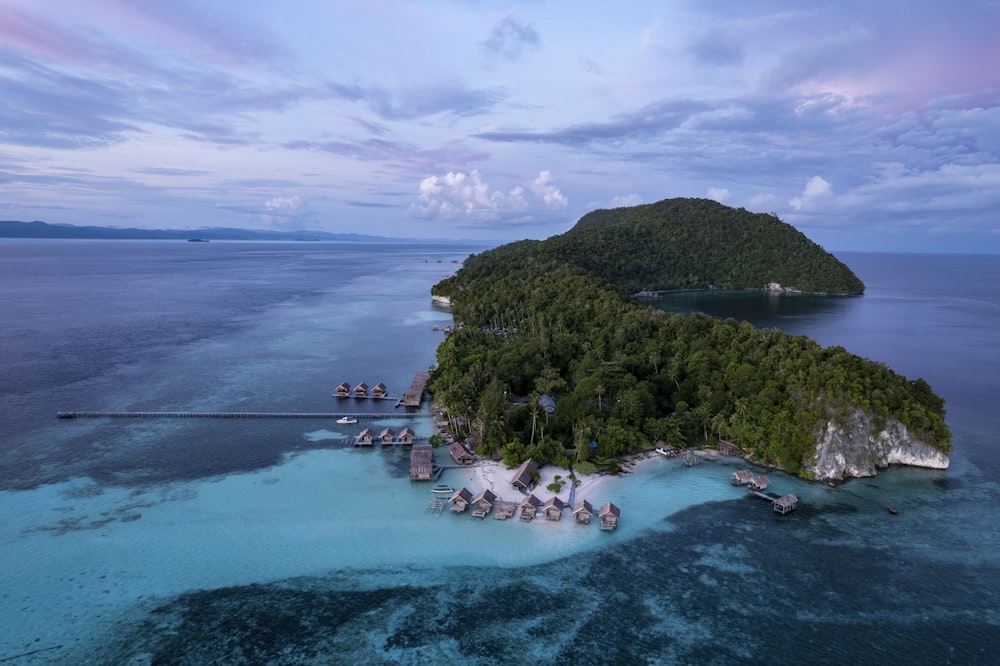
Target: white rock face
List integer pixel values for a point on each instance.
(859, 450)
(441, 300)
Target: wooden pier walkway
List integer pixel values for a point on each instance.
(240, 415)
(415, 394)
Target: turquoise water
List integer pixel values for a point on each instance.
(195, 542)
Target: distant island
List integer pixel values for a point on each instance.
(36, 229)
(553, 360)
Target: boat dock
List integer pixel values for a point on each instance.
(239, 415)
(415, 394)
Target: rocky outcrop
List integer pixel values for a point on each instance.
(856, 446)
(444, 301)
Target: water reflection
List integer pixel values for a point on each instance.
(789, 312)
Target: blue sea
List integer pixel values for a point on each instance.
(203, 541)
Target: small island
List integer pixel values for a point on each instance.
(552, 360)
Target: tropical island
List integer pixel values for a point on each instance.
(553, 361)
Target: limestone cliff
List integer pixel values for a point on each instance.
(855, 446)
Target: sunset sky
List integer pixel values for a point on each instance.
(867, 124)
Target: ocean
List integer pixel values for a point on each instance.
(210, 541)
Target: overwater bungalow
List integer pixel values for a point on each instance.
(343, 390)
(361, 390)
(785, 503)
(523, 478)
(482, 503)
(502, 510)
(421, 462)
(759, 482)
(461, 500)
(379, 390)
(529, 508)
(609, 515)
(460, 454)
(582, 511)
(388, 435)
(367, 437)
(553, 508)
(728, 448)
(741, 477)
(406, 435)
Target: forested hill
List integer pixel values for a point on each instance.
(697, 244)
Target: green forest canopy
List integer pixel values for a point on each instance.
(540, 319)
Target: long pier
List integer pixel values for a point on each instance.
(415, 394)
(239, 415)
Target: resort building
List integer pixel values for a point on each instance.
(553, 508)
(785, 503)
(367, 437)
(388, 435)
(741, 477)
(380, 391)
(421, 462)
(460, 454)
(609, 515)
(759, 482)
(482, 503)
(523, 477)
(582, 512)
(361, 390)
(343, 390)
(461, 500)
(529, 508)
(406, 435)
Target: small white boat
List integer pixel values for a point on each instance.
(443, 490)
(346, 420)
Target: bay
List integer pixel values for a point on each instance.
(272, 542)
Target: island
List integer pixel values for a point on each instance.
(552, 360)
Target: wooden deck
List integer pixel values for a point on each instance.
(237, 415)
(415, 394)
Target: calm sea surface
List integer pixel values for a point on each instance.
(146, 541)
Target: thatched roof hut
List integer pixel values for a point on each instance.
(406, 435)
(367, 437)
(461, 500)
(582, 511)
(483, 503)
(786, 503)
(609, 515)
(529, 507)
(522, 479)
(342, 389)
(421, 462)
(460, 454)
(741, 477)
(759, 482)
(553, 508)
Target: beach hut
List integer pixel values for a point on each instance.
(553, 508)
(482, 503)
(367, 437)
(461, 500)
(609, 515)
(343, 390)
(582, 511)
(387, 436)
(785, 503)
(529, 508)
(379, 391)
(421, 462)
(741, 477)
(502, 509)
(759, 482)
(523, 477)
(460, 454)
(361, 390)
(406, 435)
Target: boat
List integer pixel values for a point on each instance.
(346, 420)
(442, 489)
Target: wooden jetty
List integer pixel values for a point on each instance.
(784, 504)
(233, 415)
(415, 394)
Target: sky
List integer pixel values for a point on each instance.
(866, 124)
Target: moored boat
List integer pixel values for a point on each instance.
(442, 489)
(346, 420)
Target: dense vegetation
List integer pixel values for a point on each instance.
(698, 243)
(625, 375)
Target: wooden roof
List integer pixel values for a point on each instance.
(487, 496)
(583, 506)
(522, 477)
(787, 500)
(367, 432)
(609, 509)
(421, 454)
(406, 432)
(531, 501)
(554, 503)
(463, 495)
(387, 432)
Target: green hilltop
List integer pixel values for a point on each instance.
(697, 244)
(554, 318)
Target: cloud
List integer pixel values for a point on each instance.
(626, 200)
(718, 48)
(285, 212)
(510, 39)
(816, 191)
(450, 99)
(720, 194)
(470, 201)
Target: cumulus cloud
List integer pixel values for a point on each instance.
(816, 190)
(509, 39)
(283, 211)
(625, 200)
(720, 194)
(470, 200)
